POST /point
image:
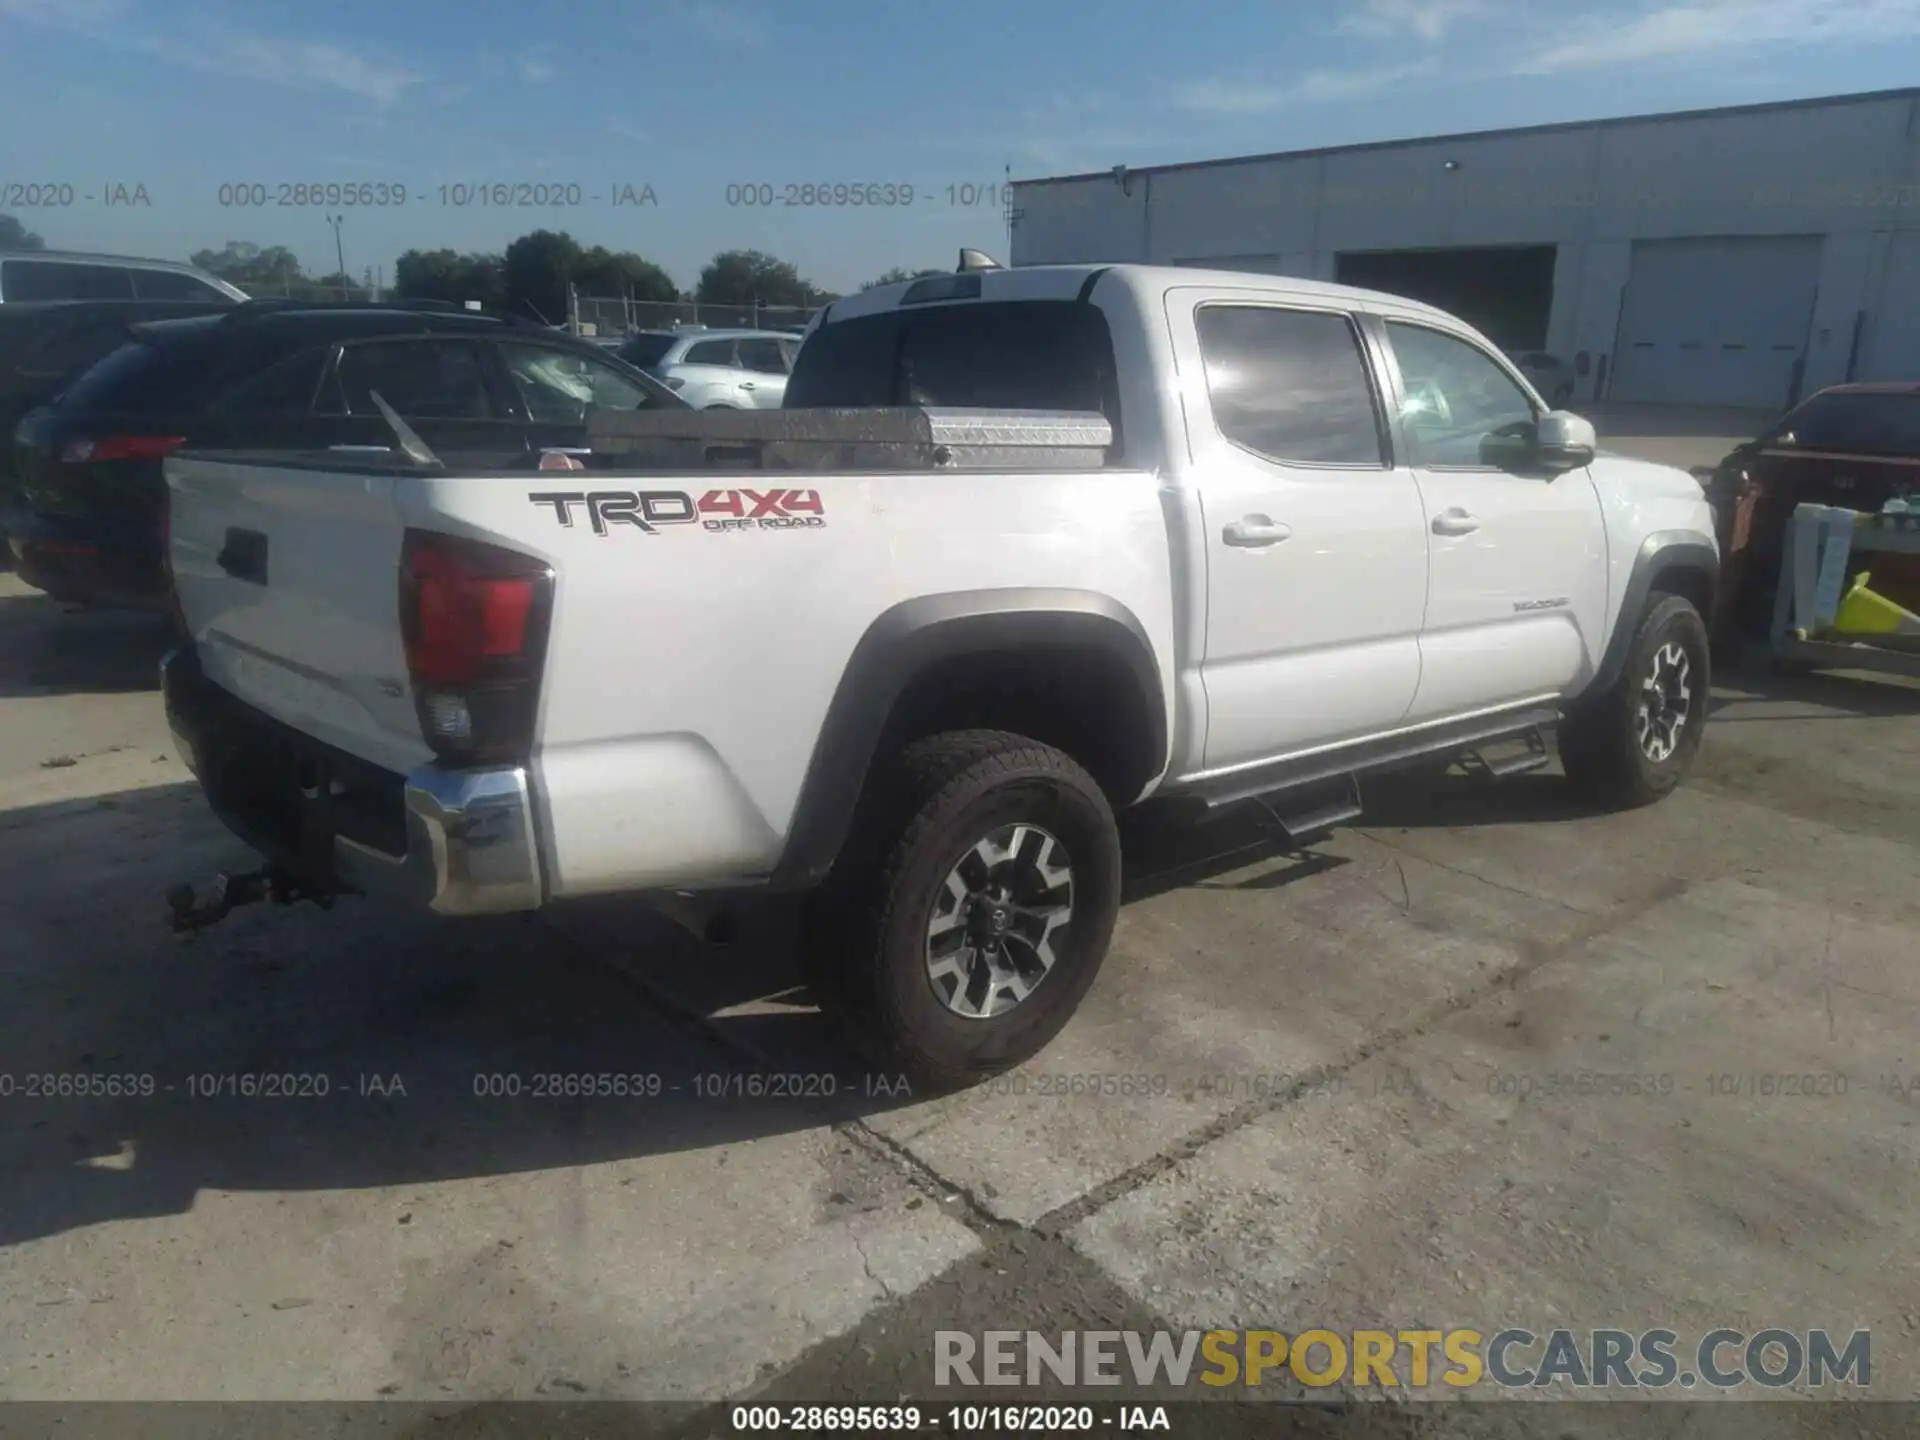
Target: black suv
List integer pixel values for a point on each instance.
(87, 513)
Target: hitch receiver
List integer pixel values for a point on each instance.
(190, 916)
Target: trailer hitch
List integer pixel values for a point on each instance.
(229, 892)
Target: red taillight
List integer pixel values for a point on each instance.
(474, 618)
(121, 447)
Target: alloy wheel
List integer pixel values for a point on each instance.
(996, 920)
(1666, 703)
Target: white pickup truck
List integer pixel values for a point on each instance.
(1270, 535)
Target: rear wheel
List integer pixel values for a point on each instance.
(979, 896)
(1634, 743)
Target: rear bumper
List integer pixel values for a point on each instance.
(77, 563)
(458, 842)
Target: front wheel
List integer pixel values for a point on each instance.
(982, 887)
(1633, 744)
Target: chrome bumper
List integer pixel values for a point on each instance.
(471, 846)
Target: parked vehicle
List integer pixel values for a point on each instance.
(717, 369)
(273, 375)
(38, 275)
(1286, 533)
(42, 344)
(1551, 376)
(1855, 446)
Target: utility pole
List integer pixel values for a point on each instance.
(1009, 210)
(339, 255)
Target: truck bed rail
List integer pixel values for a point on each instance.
(908, 437)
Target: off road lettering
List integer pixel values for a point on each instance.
(642, 509)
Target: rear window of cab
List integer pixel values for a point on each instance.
(1000, 355)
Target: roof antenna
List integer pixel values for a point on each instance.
(411, 444)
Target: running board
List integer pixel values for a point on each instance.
(1385, 753)
(1309, 816)
(1533, 757)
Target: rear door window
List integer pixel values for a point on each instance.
(764, 356)
(431, 379)
(710, 352)
(63, 280)
(1291, 385)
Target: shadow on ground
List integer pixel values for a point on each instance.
(292, 1049)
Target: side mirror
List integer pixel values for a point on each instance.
(1565, 441)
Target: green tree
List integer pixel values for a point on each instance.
(609, 273)
(896, 275)
(450, 276)
(742, 277)
(538, 267)
(15, 236)
(341, 286)
(269, 272)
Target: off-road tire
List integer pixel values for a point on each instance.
(1601, 746)
(923, 810)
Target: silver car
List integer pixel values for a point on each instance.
(27, 275)
(717, 369)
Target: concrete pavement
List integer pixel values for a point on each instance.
(1294, 1099)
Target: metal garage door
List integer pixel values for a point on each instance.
(1893, 345)
(1715, 322)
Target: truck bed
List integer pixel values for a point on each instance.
(701, 621)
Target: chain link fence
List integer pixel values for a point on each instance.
(612, 317)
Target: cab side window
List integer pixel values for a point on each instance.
(1292, 385)
(1455, 397)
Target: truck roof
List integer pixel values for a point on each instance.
(1066, 282)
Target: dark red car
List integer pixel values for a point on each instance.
(1855, 446)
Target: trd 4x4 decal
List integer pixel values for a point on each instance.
(720, 510)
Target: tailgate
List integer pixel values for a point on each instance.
(288, 577)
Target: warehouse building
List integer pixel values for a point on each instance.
(1741, 256)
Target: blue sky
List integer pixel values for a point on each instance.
(690, 96)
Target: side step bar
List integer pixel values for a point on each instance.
(1309, 815)
(1533, 757)
(1384, 754)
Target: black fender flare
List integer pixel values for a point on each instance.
(903, 644)
(1660, 554)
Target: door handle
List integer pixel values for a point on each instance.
(362, 449)
(748, 385)
(1455, 522)
(1256, 532)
